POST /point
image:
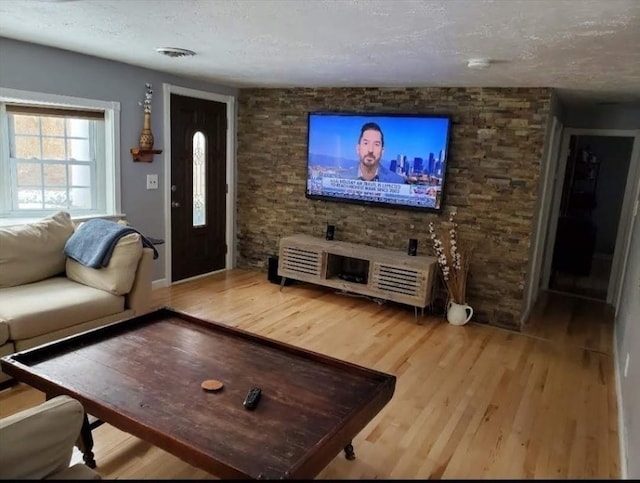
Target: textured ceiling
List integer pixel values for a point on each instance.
(588, 49)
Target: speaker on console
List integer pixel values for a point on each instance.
(331, 230)
(413, 247)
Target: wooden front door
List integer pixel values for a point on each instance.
(198, 186)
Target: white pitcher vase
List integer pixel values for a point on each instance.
(459, 314)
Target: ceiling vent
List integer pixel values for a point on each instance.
(175, 52)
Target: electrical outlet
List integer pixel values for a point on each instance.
(626, 366)
(152, 181)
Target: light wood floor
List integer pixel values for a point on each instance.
(470, 402)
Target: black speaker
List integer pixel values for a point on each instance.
(273, 276)
(331, 230)
(413, 247)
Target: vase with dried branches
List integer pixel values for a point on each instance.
(454, 258)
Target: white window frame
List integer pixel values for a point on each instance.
(111, 184)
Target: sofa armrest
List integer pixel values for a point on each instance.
(139, 299)
(38, 442)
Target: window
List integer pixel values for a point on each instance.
(57, 156)
(199, 185)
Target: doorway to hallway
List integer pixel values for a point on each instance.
(591, 201)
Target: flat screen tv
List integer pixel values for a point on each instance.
(393, 160)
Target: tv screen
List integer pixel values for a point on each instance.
(397, 160)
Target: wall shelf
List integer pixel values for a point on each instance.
(144, 155)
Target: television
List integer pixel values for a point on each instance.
(392, 160)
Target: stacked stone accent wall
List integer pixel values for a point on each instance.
(495, 151)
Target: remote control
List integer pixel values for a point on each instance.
(252, 398)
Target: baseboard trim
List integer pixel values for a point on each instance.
(525, 316)
(199, 276)
(160, 283)
(163, 282)
(622, 436)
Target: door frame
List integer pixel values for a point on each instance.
(230, 223)
(541, 232)
(621, 251)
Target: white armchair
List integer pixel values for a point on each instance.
(37, 443)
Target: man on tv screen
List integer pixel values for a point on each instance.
(369, 149)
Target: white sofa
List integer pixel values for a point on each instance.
(46, 296)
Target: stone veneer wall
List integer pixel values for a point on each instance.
(495, 148)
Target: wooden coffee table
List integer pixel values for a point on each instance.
(144, 377)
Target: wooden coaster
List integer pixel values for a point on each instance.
(211, 385)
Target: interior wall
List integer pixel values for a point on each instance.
(37, 68)
(614, 155)
(617, 116)
(495, 148)
(628, 345)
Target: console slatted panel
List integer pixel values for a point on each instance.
(398, 280)
(299, 260)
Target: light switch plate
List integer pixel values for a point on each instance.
(152, 181)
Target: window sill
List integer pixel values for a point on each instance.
(78, 219)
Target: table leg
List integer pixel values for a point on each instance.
(349, 453)
(85, 443)
(282, 280)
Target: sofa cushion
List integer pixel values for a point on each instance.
(4, 332)
(118, 276)
(56, 303)
(35, 251)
